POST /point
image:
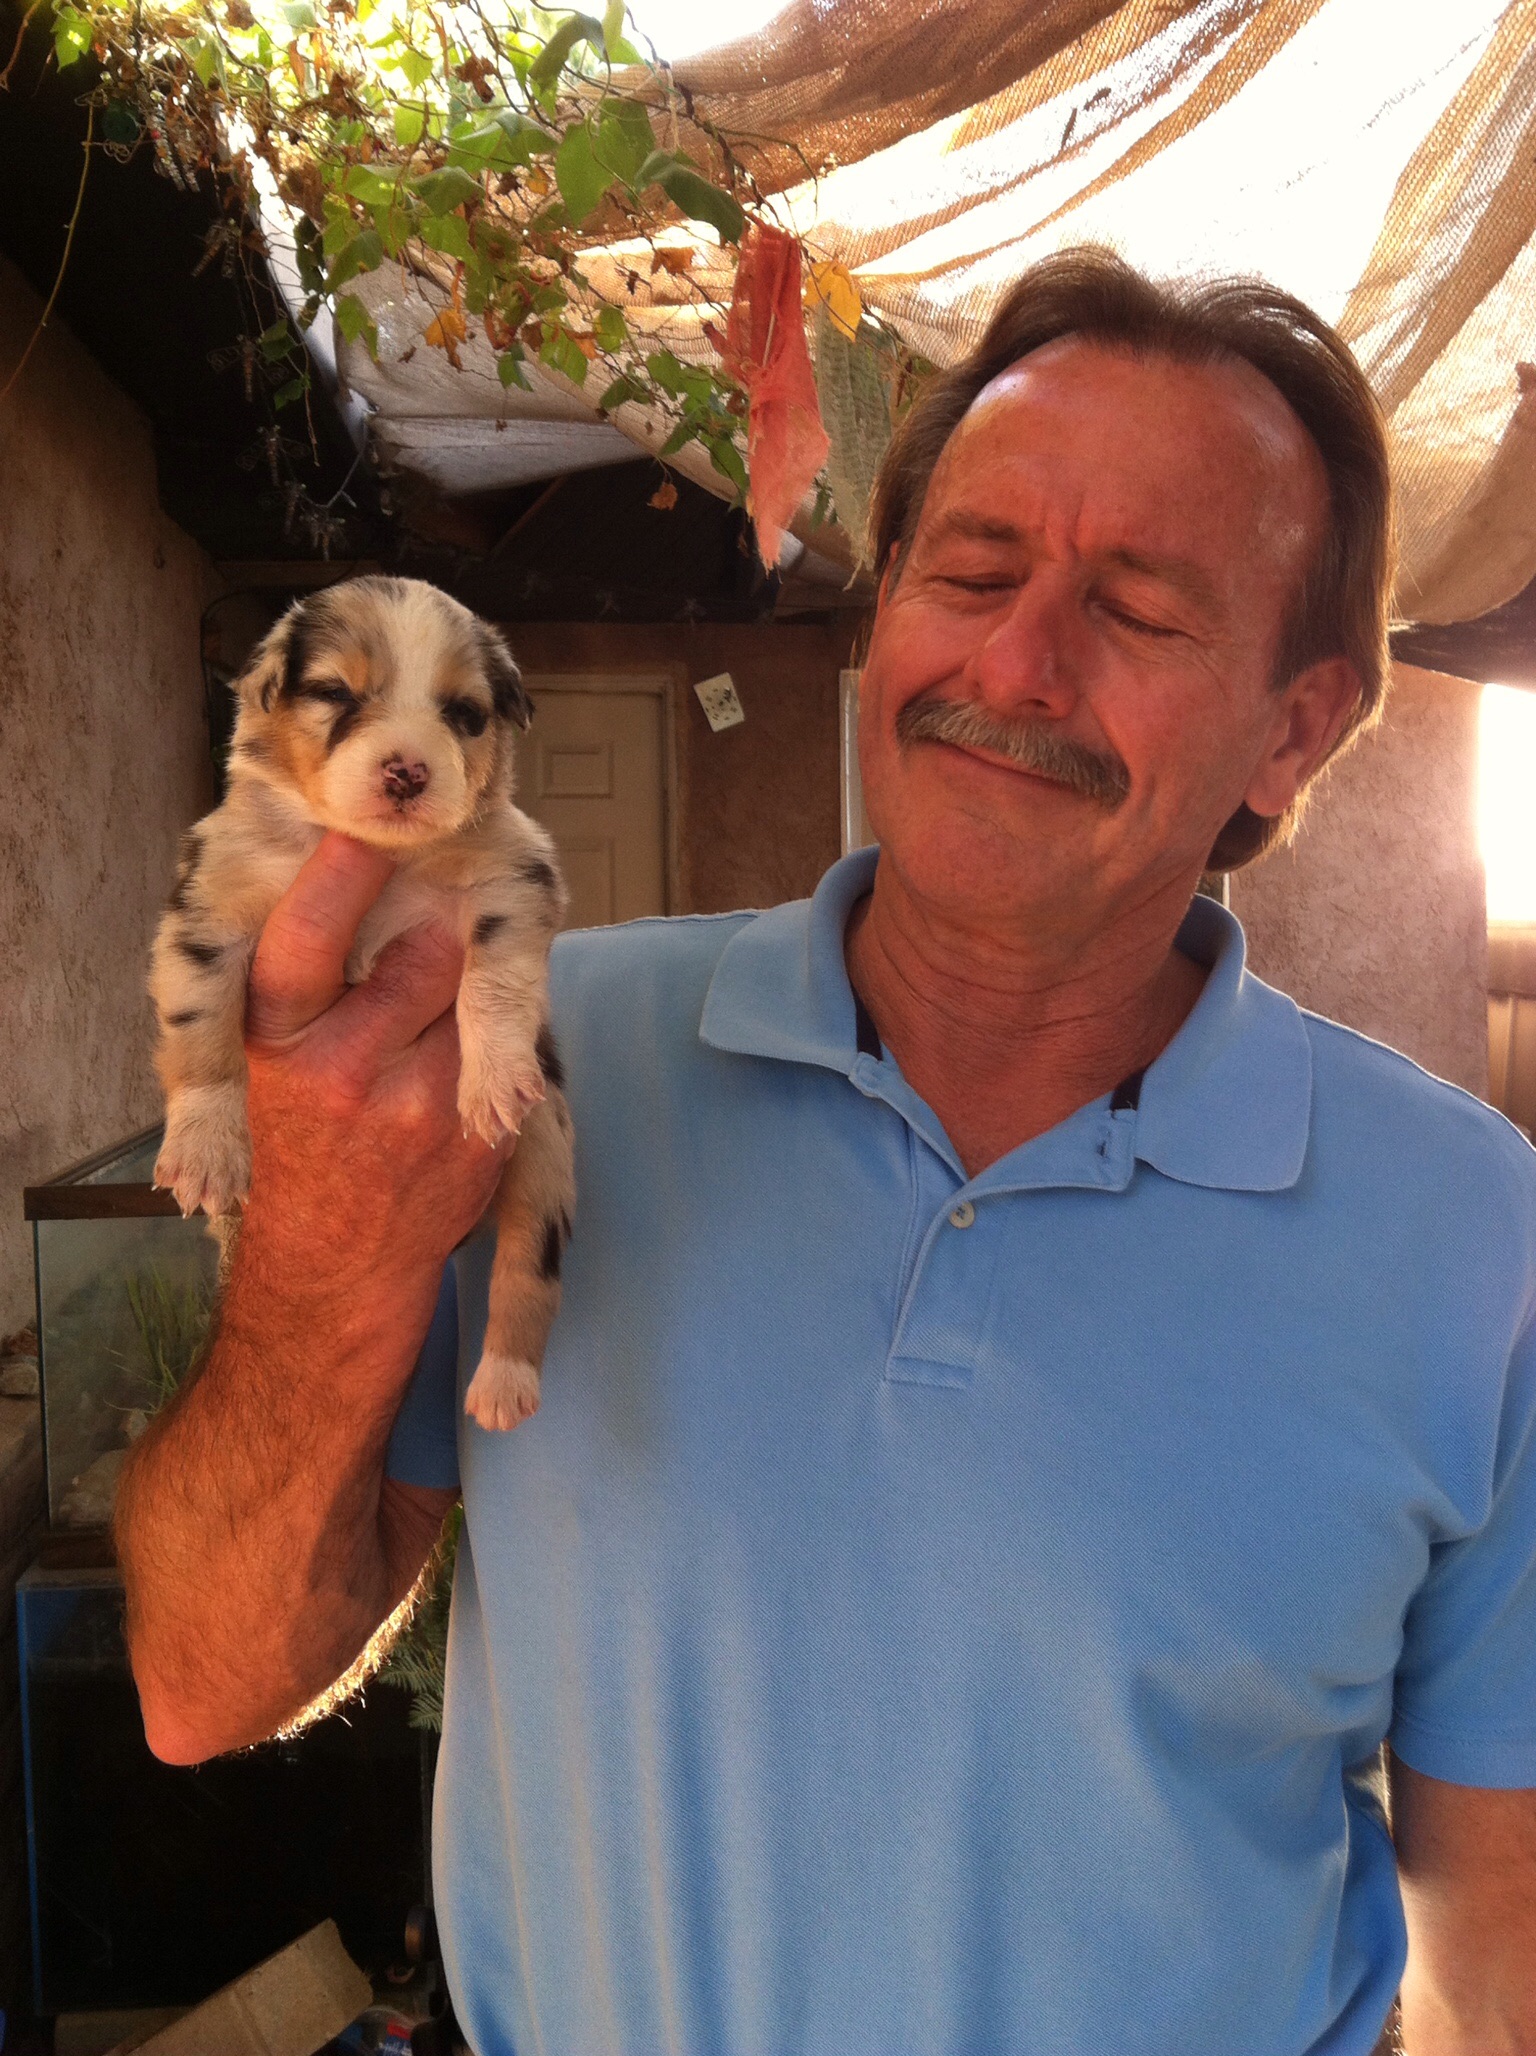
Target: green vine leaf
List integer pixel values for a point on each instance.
(610, 329)
(363, 183)
(71, 37)
(561, 353)
(119, 124)
(700, 201)
(576, 28)
(365, 252)
(625, 139)
(509, 369)
(581, 179)
(448, 233)
(356, 323)
(727, 460)
(441, 191)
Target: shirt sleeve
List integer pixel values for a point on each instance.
(424, 1443)
(1465, 1703)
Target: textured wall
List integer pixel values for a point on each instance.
(1376, 915)
(101, 726)
(758, 811)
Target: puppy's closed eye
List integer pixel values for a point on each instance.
(331, 691)
(465, 717)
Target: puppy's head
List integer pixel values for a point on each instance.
(385, 708)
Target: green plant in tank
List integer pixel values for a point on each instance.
(418, 1662)
(172, 1324)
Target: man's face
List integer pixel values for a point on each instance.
(1104, 561)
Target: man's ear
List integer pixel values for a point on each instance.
(1311, 713)
(505, 680)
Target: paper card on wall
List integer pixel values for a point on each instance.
(717, 696)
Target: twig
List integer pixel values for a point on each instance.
(5, 76)
(69, 241)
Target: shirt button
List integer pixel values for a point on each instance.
(961, 1216)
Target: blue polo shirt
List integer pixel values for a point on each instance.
(945, 1616)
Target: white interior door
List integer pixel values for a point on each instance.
(591, 772)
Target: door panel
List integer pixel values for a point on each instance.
(590, 771)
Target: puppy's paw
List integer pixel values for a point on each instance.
(205, 1158)
(496, 1094)
(504, 1391)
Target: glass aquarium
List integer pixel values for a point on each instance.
(153, 1884)
(124, 1291)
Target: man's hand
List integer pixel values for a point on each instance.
(1467, 1861)
(259, 1542)
(358, 1157)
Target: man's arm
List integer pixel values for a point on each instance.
(1467, 1861)
(261, 1544)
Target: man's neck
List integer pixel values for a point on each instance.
(1006, 1035)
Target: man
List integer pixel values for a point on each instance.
(1032, 1410)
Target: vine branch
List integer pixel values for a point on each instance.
(69, 239)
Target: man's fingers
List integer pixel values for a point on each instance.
(414, 983)
(300, 963)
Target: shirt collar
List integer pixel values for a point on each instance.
(1227, 1104)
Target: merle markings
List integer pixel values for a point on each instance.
(549, 1058)
(504, 679)
(549, 1262)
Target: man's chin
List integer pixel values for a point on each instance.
(976, 862)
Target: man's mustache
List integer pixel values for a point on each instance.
(1029, 744)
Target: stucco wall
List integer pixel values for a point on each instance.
(1376, 914)
(758, 811)
(102, 735)
(101, 730)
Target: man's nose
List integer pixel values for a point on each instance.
(1030, 662)
(404, 779)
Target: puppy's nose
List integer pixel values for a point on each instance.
(403, 781)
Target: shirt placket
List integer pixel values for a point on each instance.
(970, 1226)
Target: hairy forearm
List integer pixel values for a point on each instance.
(260, 1545)
(1466, 1859)
(1483, 2006)
(1437, 2021)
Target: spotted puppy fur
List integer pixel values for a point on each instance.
(383, 708)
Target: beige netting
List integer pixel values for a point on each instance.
(1377, 157)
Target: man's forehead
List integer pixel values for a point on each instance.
(1149, 428)
(1228, 383)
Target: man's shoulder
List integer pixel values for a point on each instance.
(658, 946)
(1383, 1101)
(637, 977)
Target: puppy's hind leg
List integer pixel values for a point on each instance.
(533, 1206)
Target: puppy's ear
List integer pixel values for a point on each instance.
(267, 672)
(504, 679)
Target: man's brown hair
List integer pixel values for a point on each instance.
(1341, 606)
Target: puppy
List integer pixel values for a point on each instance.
(385, 709)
